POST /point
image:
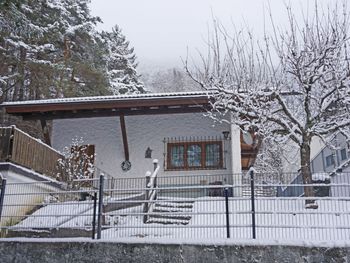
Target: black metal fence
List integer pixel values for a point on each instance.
(48, 209)
(236, 206)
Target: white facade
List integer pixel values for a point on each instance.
(145, 131)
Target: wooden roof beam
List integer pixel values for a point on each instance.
(109, 113)
(124, 136)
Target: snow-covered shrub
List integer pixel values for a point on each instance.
(77, 164)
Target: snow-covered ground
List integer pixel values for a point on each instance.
(58, 214)
(276, 219)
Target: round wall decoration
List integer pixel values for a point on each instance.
(126, 165)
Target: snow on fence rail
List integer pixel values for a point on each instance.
(184, 208)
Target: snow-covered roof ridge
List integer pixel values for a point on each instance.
(187, 94)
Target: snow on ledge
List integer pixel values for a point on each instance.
(320, 177)
(34, 175)
(185, 94)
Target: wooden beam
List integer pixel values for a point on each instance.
(125, 138)
(110, 113)
(46, 132)
(118, 104)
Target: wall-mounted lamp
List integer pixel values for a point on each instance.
(226, 135)
(148, 153)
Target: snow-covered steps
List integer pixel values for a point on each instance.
(167, 221)
(259, 191)
(171, 212)
(175, 205)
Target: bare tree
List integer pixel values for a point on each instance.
(292, 85)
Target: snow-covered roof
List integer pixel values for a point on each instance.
(143, 96)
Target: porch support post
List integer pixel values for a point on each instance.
(236, 159)
(125, 138)
(45, 130)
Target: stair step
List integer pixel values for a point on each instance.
(167, 221)
(181, 201)
(175, 205)
(170, 215)
(168, 209)
(171, 212)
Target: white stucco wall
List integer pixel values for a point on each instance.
(236, 162)
(316, 146)
(142, 131)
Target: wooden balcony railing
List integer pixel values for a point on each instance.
(20, 148)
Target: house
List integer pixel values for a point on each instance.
(334, 160)
(125, 132)
(329, 164)
(329, 159)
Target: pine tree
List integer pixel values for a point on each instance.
(51, 48)
(83, 72)
(121, 63)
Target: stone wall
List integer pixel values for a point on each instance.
(89, 251)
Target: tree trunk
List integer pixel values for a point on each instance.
(305, 156)
(18, 94)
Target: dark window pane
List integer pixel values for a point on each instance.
(329, 160)
(343, 154)
(212, 155)
(194, 155)
(177, 156)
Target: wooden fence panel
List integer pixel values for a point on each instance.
(34, 154)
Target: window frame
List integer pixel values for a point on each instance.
(203, 160)
(343, 153)
(329, 157)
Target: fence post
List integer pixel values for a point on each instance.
(100, 207)
(252, 196)
(227, 213)
(2, 193)
(94, 216)
(146, 204)
(155, 166)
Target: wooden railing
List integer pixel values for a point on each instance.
(151, 191)
(20, 148)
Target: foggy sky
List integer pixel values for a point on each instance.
(162, 30)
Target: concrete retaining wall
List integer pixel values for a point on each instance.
(60, 251)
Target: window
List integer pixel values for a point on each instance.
(194, 155)
(343, 154)
(329, 160)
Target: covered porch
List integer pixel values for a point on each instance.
(129, 131)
